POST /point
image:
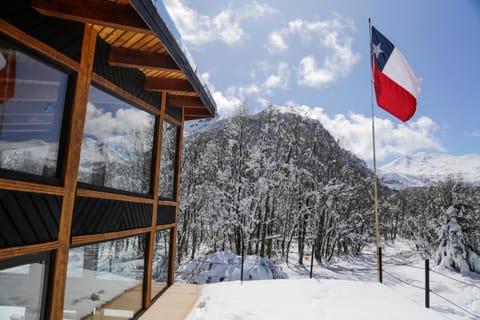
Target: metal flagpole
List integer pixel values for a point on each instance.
(375, 189)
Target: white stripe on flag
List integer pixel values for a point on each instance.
(398, 69)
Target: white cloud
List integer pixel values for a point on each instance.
(311, 76)
(273, 77)
(101, 123)
(332, 36)
(228, 102)
(354, 132)
(278, 79)
(198, 29)
(474, 133)
(276, 42)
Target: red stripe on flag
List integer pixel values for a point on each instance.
(393, 98)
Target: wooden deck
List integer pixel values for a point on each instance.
(175, 303)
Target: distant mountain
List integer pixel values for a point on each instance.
(422, 168)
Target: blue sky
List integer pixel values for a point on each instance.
(313, 56)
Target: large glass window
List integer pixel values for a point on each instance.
(105, 279)
(21, 290)
(117, 144)
(31, 111)
(160, 261)
(168, 162)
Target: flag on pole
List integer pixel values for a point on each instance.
(396, 85)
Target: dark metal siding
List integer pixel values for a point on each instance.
(93, 216)
(131, 80)
(175, 113)
(166, 215)
(65, 36)
(28, 218)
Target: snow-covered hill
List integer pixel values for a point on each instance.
(422, 168)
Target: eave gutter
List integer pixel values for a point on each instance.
(149, 14)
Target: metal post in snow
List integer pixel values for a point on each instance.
(311, 260)
(243, 259)
(380, 275)
(427, 283)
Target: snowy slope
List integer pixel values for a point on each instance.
(422, 168)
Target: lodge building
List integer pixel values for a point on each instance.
(93, 99)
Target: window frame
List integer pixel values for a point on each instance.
(153, 297)
(146, 249)
(71, 78)
(93, 187)
(176, 164)
(43, 257)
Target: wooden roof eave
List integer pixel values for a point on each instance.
(149, 13)
(164, 72)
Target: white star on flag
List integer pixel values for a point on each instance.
(377, 50)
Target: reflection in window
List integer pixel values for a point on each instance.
(117, 144)
(160, 262)
(105, 279)
(31, 111)
(21, 291)
(168, 161)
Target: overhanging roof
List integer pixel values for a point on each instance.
(139, 38)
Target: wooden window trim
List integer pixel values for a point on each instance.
(87, 193)
(24, 186)
(86, 239)
(147, 301)
(165, 227)
(130, 98)
(14, 252)
(70, 169)
(173, 237)
(167, 203)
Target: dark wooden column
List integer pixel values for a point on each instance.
(70, 170)
(156, 179)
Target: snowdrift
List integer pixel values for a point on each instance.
(226, 266)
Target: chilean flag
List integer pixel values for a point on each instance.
(396, 85)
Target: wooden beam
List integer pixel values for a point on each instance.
(112, 196)
(188, 118)
(111, 86)
(163, 84)
(185, 101)
(79, 240)
(97, 12)
(24, 186)
(70, 170)
(29, 249)
(173, 233)
(127, 58)
(196, 112)
(156, 179)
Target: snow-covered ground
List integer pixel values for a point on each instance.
(305, 299)
(347, 289)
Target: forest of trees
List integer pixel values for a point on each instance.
(274, 178)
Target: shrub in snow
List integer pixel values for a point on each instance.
(453, 252)
(226, 266)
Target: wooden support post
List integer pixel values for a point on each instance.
(70, 170)
(173, 235)
(155, 186)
